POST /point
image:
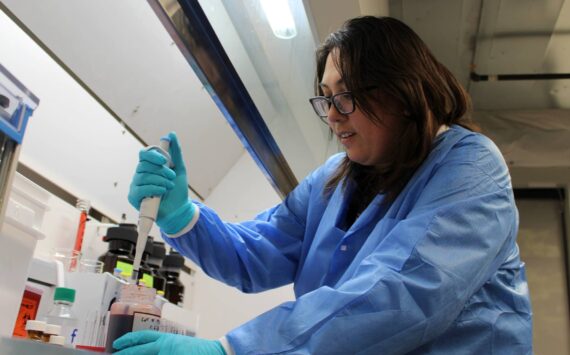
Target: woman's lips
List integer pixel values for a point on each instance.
(345, 137)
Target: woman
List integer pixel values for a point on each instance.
(405, 243)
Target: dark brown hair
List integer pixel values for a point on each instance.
(385, 53)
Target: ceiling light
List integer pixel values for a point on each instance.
(279, 17)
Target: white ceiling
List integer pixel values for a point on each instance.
(498, 37)
(529, 120)
(121, 51)
(523, 37)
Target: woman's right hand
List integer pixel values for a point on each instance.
(154, 178)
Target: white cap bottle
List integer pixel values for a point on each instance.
(57, 340)
(51, 329)
(35, 329)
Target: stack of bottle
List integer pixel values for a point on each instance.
(41, 331)
(60, 326)
(137, 307)
(159, 270)
(118, 259)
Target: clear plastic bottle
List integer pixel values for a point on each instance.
(62, 314)
(135, 310)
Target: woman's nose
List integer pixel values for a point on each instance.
(334, 115)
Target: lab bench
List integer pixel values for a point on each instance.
(25, 346)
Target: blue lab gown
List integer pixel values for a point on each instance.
(435, 272)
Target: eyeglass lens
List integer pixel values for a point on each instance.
(343, 102)
(321, 106)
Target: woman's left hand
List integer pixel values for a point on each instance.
(148, 342)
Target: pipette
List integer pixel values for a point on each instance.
(147, 213)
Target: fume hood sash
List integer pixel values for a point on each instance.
(190, 29)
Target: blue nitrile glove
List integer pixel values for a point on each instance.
(154, 178)
(147, 342)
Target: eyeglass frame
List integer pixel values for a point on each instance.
(331, 101)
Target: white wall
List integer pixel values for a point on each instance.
(123, 53)
(541, 245)
(59, 225)
(242, 194)
(71, 140)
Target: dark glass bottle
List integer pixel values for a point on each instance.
(154, 262)
(122, 240)
(171, 266)
(121, 252)
(145, 268)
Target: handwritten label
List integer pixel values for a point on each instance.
(145, 321)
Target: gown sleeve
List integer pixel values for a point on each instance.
(414, 283)
(255, 255)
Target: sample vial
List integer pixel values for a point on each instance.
(35, 329)
(135, 310)
(159, 301)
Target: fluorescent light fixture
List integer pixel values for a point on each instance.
(279, 17)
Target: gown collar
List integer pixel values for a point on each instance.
(340, 203)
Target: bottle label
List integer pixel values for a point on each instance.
(145, 321)
(70, 332)
(127, 271)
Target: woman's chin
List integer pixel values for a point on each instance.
(355, 158)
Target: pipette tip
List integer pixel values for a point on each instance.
(135, 276)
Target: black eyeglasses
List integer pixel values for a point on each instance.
(343, 102)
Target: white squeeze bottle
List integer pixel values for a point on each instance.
(62, 314)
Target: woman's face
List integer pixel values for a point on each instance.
(366, 142)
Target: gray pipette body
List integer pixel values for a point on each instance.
(147, 215)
